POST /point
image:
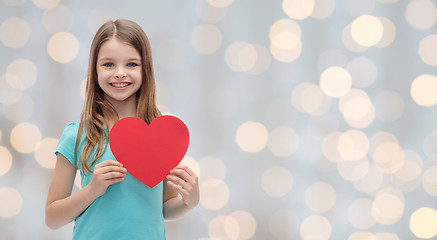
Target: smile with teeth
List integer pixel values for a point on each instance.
(120, 84)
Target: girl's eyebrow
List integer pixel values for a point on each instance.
(111, 59)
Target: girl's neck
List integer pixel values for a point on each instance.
(127, 108)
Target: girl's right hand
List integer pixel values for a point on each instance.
(106, 173)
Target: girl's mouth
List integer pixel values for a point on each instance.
(120, 85)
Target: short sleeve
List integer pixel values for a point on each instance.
(67, 143)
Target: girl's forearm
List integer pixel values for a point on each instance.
(63, 211)
(174, 209)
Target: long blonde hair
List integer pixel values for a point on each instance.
(93, 120)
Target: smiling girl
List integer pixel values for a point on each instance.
(111, 203)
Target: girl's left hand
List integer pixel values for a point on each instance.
(186, 183)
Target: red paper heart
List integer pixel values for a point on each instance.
(149, 152)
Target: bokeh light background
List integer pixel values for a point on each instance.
(310, 119)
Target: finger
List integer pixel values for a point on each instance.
(115, 180)
(113, 169)
(177, 188)
(187, 169)
(178, 181)
(112, 175)
(181, 173)
(109, 163)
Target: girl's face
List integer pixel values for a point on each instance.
(119, 71)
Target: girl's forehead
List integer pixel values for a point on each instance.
(116, 48)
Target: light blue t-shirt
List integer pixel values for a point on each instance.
(128, 210)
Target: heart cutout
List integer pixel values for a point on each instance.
(149, 152)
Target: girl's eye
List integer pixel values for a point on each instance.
(108, 65)
(132, 64)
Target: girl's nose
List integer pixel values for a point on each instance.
(120, 73)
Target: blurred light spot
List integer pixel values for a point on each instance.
(251, 137)
(315, 227)
(412, 168)
(353, 145)
(379, 138)
(191, 163)
(386, 236)
(421, 14)
(423, 90)
(309, 98)
(240, 56)
(389, 106)
(25, 137)
(320, 197)
(423, 223)
(363, 72)
(428, 50)
(216, 227)
(97, 18)
(285, 26)
(280, 222)
(429, 181)
(262, 60)
(232, 227)
(5, 160)
(367, 30)
(298, 9)
(21, 110)
(44, 153)
(357, 109)
(359, 7)
(288, 55)
(57, 19)
(371, 182)
(359, 214)
(45, 3)
(349, 42)
(362, 236)
(335, 82)
(171, 53)
(285, 40)
(83, 89)
(10, 202)
(330, 146)
(220, 3)
(25, 73)
(323, 8)
(389, 157)
(389, 34)
(387, 209)
(276, 181)
(206, 39)
(429, 145)
(208, 13)
(353, 170)
(214, 194)
(283, 141)
(14, 2)
(8, 95)
(246, 223)
(212, 167)
(331, 57)
(14, 32)
(63, 47)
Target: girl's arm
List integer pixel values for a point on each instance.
(61, 206)
(184, 181)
